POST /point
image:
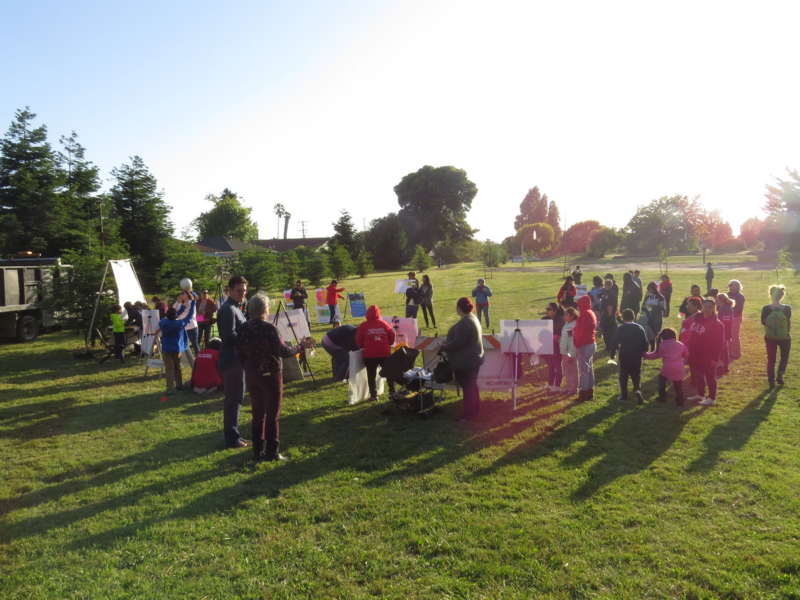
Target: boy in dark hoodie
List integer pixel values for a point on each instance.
(631, 341)
(705, 347)
(174, 342)
(585, 345)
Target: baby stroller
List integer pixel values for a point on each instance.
(399, 369)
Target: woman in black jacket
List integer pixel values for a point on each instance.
(426, 299)
(631, 294)
(554, 374)
(464, 349)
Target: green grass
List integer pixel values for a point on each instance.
(108, 492)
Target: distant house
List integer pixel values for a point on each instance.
(221, 246)
(285, 245)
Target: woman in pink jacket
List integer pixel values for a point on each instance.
(672, 354)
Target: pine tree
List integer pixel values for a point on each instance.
(554, 220)
(364, 264)
(340, 262)
(345, 232)
(83, 206)
(421, 261)
(317, 269)
(144, 218)
(532, 209)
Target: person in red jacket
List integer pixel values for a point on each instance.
(332, 300)
(566, 295)
(705, 348)
(205, 376)
(375, 337)
(585, 345)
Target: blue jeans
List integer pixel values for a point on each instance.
(233, 382)
(586, 365)
(485, 310)
(554, 372)
(192, 333)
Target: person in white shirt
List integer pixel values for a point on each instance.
(181, 306)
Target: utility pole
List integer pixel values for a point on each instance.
(303, 228)
(365, 224)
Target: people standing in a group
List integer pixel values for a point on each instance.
(709, 278)
(665, 289)
(608, 312)
(705, 348)
(725, 315)
(554, 313)
(654, 306)
(631, 294)
(375, 337)
(426, 299)
(569, 355)
(682, 309)
(577, 275)
(777, 320)
(185, 298)
(482, 293)
(613, 281)
(672, 354)
(567, 292)
(259, 350)
(339, 342)
(693, 306)
(205, 307)
(412, 299)
(585, 345)
(332, 299)
(631, 342)
(735, 294)
(464, 349)
(299, 295)
(229, 319)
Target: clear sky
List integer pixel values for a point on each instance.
(324, 106)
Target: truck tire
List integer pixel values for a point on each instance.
(27, 329)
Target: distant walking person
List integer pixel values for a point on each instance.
(333, 299)
(735, 294)
(481, 295)
(585, 344)
(577, 274)
(777, 319)
(709, 278)
(426, 299)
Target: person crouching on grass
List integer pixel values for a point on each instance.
(259, 349)
(174, 342)
(706, 341)
(631, 341)
(672, 354)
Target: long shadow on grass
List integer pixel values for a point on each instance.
(734, 434)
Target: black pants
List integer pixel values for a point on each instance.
(266, 394)
(204, 334)
(120, 342)
(372, 364)
(704, 373)
(425, 309)
(608, 325)
(468, 381)
(662, 390)
(634, 371)
(772, 355)
(332, 309)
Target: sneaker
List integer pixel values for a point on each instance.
(708, 402)
(621, 399)
(373, 398)
(545, 388)
(639, 397)
(611, 361)
(780, 379)
(695, 398)
(555, 389)
(772, 385)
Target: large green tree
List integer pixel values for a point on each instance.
(433, 205)
(554, 220)
(32, 215)
(576, 237)
(605, 239)
(532, 209)
(183, 259)
(676, 223)
(228, 218)
(542, 242)
(144, 218)
(341, 264)
(346, 234)
(751, 231)
(259, 267)
(782, 224)
(387, 243)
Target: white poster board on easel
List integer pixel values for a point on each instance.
(324, 314)
(534, 336)
(405, 330)
(150, 323)
(299, 327)
(401, 285)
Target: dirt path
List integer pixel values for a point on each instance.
(622, 265)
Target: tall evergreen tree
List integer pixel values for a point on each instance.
(31, 213)
(144, 218)
(554, 220)
(345, 233)
(532, 209)
(387, 243)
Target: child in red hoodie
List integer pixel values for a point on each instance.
(585, 345)
(375, 337)
(705, 348)
(333, 298)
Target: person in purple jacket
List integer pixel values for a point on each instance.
(672, 354)
(705, 347)
(725, 308)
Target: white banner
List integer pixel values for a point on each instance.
(324, 314)
(297, 318)
(401, 285)
(535, 336)
(150, 325)
(128, 288)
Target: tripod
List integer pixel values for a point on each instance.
(517, 354)
(303, 357)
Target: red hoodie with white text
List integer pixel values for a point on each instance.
(586, 324)
(374, 335)
(707, 338)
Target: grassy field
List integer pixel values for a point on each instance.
(108, 492)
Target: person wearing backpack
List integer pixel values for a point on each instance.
(777, 319)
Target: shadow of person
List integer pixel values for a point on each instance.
(735, 433)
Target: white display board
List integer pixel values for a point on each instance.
(128, 288)
(536, 336)
(297, 318)
(405, 329)
(401, 285)
(150, 323)
(359, 384)
(497, 371)
(324, 314)
(581, 290)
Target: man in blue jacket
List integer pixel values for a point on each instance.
(229, 319)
